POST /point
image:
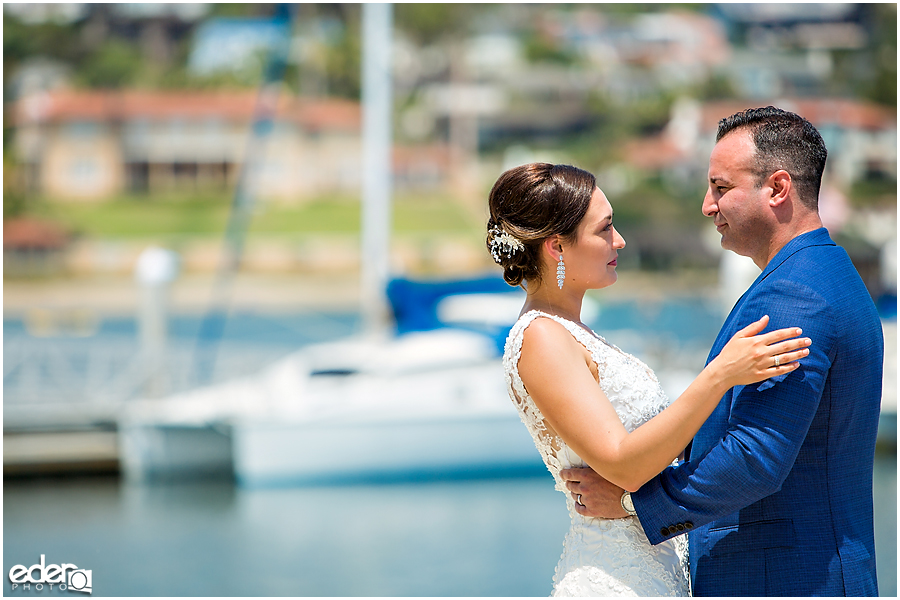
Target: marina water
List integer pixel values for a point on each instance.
(490, 536)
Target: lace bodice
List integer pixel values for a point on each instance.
(602, 557)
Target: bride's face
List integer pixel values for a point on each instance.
(591, 261)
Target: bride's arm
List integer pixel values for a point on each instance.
(554, 368)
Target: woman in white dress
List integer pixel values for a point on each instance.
(583, 400)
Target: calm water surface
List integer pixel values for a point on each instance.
(492, 537)
(498, 537)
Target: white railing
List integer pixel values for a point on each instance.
(63, 382)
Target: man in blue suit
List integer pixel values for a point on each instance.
(777, 490)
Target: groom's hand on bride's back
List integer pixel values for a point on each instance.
(593, 495)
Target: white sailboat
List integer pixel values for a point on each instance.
(428, 403)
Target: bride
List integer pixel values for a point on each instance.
(584, 401)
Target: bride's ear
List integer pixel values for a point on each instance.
(552, 247)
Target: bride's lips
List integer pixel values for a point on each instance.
(614, 261)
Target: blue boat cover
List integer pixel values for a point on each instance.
(414, 304)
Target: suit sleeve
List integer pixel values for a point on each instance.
(766, 426)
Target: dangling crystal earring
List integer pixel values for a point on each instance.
(560, 272)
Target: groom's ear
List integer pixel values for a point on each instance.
(781, 185)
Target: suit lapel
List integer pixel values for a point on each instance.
(710, 431)
(818, 237)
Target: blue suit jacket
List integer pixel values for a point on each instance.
(777, 492)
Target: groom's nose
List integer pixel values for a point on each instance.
(709, 206)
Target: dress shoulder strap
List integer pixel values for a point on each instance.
(514, 341)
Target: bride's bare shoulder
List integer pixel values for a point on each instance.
(544, 334)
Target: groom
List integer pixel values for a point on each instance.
(777, 490)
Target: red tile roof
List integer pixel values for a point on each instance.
(407, 156)
(95, 105)
(652, 153)
(849, 114)
(32, 233)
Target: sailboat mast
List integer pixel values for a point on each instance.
(376, 165)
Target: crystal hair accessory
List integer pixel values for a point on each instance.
(503, 244)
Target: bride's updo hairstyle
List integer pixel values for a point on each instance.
(528, 204)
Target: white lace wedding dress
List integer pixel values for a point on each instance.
(602, 557)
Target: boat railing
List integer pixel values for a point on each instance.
(59, 382)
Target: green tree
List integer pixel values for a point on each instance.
(343, 64)
(538, 49)
(883, 47)
(23, 41)
(433, 23)
(115, 64)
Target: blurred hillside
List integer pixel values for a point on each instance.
(127, 124)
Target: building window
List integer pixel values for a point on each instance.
(83, 130)
(84, 173)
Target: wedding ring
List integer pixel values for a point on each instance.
(578, 500)
(777, 361)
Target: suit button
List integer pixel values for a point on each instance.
(664, 531)
(688, 525)
(679, 527)
(672, 529)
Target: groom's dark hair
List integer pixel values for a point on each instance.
(783, 140)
